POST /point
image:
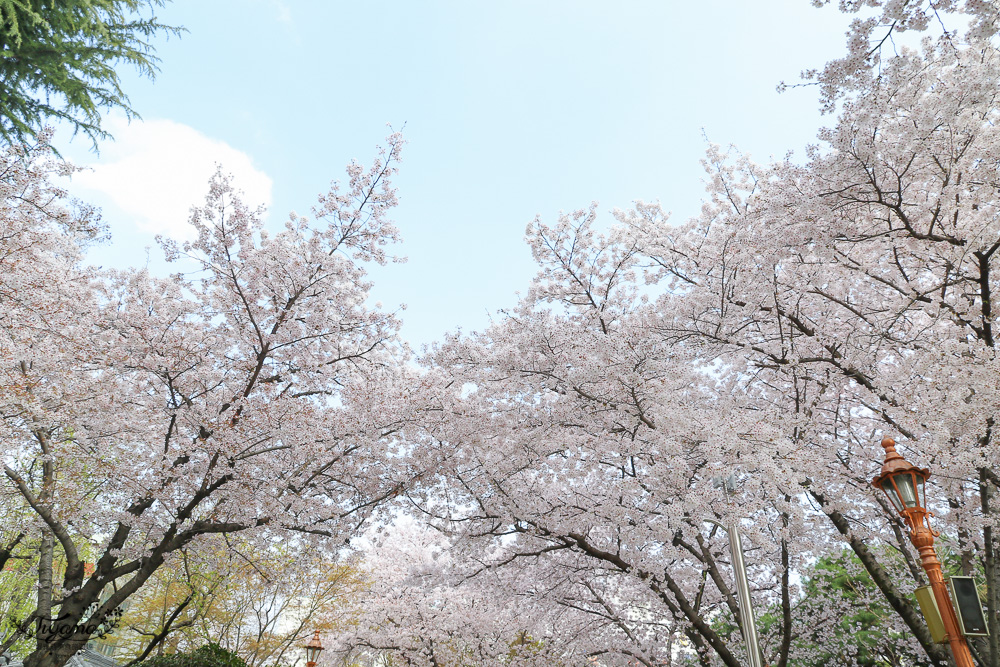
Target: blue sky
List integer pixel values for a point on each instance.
(511, 109)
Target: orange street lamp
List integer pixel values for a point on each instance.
(903, 483)
(312, 650)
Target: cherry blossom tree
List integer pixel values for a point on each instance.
(855, 291)
(254, 391)
(872, 38)
(582, 454)
(808, 310)
(430, 604)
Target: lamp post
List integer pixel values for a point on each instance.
(748, 623)
(903, 483)
(312, 650)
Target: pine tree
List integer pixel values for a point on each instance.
(58, 60)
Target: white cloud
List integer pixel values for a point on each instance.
(156, 170)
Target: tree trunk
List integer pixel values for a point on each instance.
(990, 570)
(44, 610)
(55, 657)
(49, 652)
(901, 605)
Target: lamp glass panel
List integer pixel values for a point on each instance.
(921, 498)
(907, 490)
(890, 490)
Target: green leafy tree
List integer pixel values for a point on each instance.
(18, 579)
(841, 618)
(58, 60)
(858, 628)
(210, 655)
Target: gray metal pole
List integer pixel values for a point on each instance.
(744, 603)
(743, 592)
